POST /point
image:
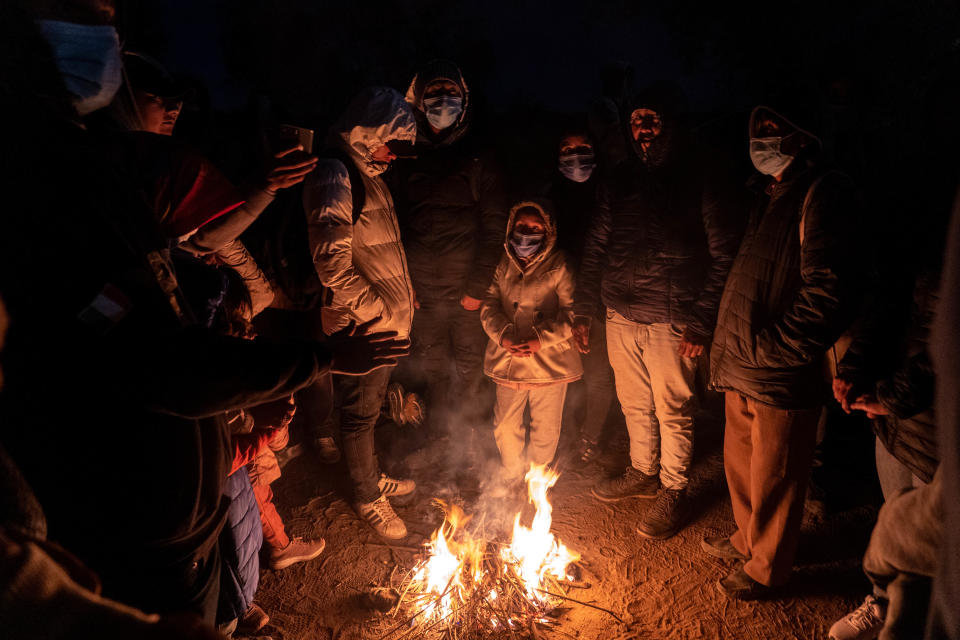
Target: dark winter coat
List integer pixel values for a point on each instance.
(451, 207)
(574, 202)
(240, 545)
(903, 381)
(659, 245)
(785, 305)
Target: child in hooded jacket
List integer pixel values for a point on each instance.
(528, 315)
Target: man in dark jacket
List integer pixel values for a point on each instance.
(110, 385)
(657, 252)
(792, 291)
(453, 215)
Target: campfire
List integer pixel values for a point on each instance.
(467, 586)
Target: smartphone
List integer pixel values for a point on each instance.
(289, 135)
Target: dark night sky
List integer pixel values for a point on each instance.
(537, 51)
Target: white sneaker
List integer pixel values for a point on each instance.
(393, 487)
(381, 516)
(863, 623)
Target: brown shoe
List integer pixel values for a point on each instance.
(253, 620)
(297, 550)
(721, 547)
(739, 586)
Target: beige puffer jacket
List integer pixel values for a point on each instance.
(362, 263)
(532, 300)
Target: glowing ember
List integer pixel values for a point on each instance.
(463, 586)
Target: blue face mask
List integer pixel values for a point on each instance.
(577, 167)
(88, 57)
(442, 111)
(526, 244)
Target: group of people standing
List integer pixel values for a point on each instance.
(149, 274)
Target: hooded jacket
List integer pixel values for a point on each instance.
(784, 303)
(659, 245)
(361, 261)
(527, 300)
(450, 202)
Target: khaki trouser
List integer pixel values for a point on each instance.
(767, 456)
(546, 411)
(655, 387)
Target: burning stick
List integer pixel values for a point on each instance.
(468, 586)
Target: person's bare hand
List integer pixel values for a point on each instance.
(469, 303)
(870, 405)
(416, 303)
(287, 171)
(581, 334)
(842, 390)
(515, 347)
(356, 352)
(690, 349)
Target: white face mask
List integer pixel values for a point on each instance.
(767, 157)
(88, 57)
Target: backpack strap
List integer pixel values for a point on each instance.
(358, 189)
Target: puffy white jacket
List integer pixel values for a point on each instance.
(530, 300)
(362, 264)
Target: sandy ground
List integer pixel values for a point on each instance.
(660, 589)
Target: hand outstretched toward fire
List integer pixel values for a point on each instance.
(356, 352)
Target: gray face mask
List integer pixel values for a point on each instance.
(767, 156)
(88, 57)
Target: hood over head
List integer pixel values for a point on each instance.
(438, 70)
(545, 208)
(669, 102)
(374, 117)
(789, 120)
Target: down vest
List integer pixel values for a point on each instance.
(361, 262)
(530, 300)
(658, 249)
(784, 304)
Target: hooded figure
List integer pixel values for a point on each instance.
(452, 213)
(358, 256)
(793, 289)
(528, 315)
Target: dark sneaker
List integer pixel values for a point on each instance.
(297, 550)
(739, 586)
(395, 402)
(326, 448)
(632, 484)
(721, 547)
(863, 623)
(586, 453)
(664, 518)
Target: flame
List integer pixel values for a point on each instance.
(535, 553)
(454, 569)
